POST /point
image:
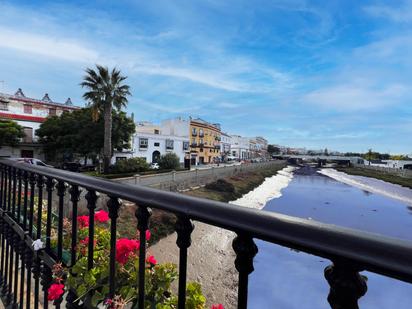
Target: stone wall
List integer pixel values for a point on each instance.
(177, 181)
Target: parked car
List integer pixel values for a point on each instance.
(154, 166)
(31, 161)
(77, 167)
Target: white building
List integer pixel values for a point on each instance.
(152, 141)
(225, 145)
(29, 113)
(240, 147)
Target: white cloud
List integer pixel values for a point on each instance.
(47, 46)
(401, 13)
(357, 97)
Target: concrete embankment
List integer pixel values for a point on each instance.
(210, 257)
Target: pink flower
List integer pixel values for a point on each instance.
(148, 235)
(151, 260)
(124, 247)
(55, 291)
(219, 306)
(101, 216)
(83, 221)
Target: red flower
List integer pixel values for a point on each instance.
(219, 306)
(151, 260)
(85, 241)
(83, 221)
(124, 247)
(55, 291)
(148, 234)
(101, 216)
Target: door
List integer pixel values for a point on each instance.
(155, 156)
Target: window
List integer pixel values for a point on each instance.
(28, 109)
(200, 132)
(201, 149)
(52, 112)
(194, 131)
(169, 144)
(4, 106)
(143, 143)
(28, 138)
(156, 144)
(156, 131)
(185, 145)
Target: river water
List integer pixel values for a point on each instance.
(294, 280)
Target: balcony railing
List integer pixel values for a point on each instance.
(23, 270)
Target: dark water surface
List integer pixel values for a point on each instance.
(287, 279)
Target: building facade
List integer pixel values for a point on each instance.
(240, 147)
(205, 142)
(30, 114)
(225, 144)
(151, 141)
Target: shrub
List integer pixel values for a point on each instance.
(169, 161)
(221, 185)
(133, 165)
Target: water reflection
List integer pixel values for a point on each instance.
(287, 279)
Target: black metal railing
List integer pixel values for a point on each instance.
(26, 274)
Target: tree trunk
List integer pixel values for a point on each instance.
(107, 148)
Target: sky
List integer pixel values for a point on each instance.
(314, 74)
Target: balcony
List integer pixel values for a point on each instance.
(28, 193)
(194, 133)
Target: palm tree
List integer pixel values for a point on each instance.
(106, 91)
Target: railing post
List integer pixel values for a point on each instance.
(346, 285)
(113, 205)
(142, 214)
(184, 228)
(46, 279)
(245, 249)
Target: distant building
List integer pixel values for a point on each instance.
(29, 113)
(240, 147)
(225, 144)
(151, 141)
(205, 140)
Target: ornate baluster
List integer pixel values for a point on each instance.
(74, 197)
(13, 207)
(19, 179)
(2, 223)
(142, 215)
(91, 197)
(245, 249)
(61, 191)
(113, 204)
(22, 250)
(6, 229)
(16, 270)
(10, 237)
(29, 265)
(46, 279)
(36, 266)
(184, 228)
(26, 190)
(346, 285)
(49, 188)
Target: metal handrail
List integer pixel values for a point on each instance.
(381, 254)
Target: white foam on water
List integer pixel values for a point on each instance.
(271, 188)
(371, 185)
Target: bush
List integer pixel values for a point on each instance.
(169, 161)
(133, 165)
(221, 185)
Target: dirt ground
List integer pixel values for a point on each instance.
(210, 262)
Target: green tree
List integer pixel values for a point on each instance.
(106, 90)
(169, 161)
(76, 133)
(272, 149)
(10, 133)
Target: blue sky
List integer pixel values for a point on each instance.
(315, 74)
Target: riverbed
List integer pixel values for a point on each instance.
(287, 279)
